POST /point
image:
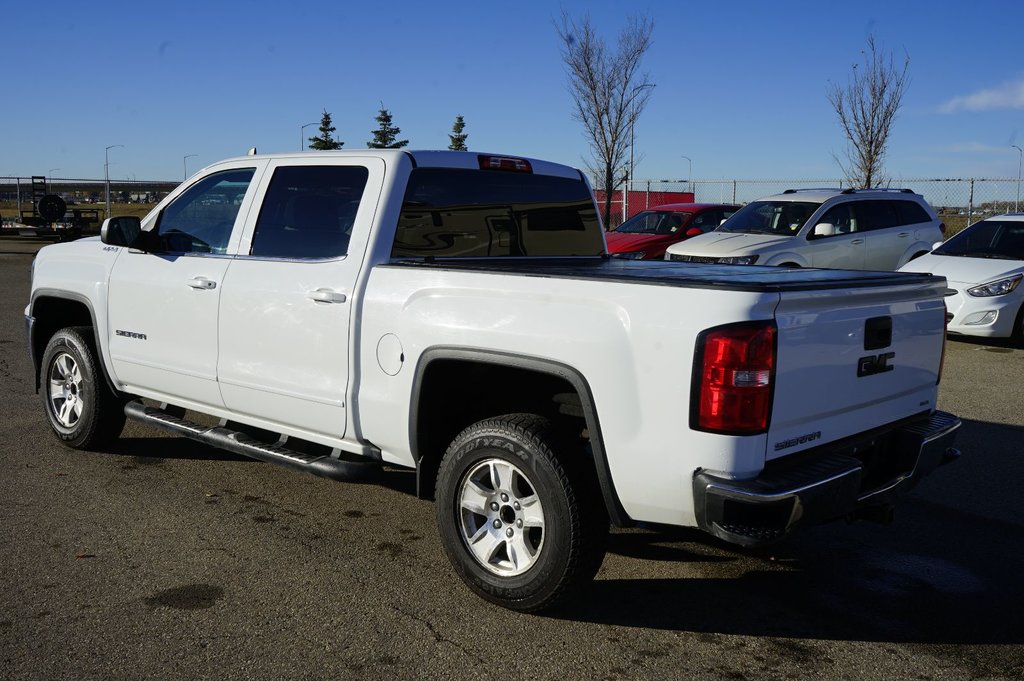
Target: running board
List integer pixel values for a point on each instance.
(325, 465)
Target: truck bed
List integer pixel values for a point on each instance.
(752, 278)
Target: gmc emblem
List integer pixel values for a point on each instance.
(874, 364)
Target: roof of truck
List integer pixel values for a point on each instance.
(423, 158)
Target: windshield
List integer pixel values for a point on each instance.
(653, 222)
(987, 239)
(781, 218)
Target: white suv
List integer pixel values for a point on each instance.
(856, 229)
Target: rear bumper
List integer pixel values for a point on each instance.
(826, 483)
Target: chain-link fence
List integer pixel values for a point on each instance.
(959, 202)
(86, 199)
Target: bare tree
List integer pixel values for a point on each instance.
(866, 108)
(609, 92)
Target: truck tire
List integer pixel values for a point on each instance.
(81, 409)
(523, 526)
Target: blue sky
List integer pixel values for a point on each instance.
(741, 86)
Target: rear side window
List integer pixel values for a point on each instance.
(454, 212)
(911, 213)
(308, 212)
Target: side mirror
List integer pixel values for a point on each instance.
(937, 244)
(121, 231)
(824, 229)
(694, 231)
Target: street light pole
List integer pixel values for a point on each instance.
(1020, 155)
(49, 174)
(184, 164)
(302, 136)
(106, 173)
(632, 140)
(689, 171)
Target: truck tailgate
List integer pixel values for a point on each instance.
(851, 360)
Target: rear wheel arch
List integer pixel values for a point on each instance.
(444, 399)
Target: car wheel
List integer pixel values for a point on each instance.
(1018, 327)
(81, 409)
(518, 515)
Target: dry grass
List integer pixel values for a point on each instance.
(8, 209)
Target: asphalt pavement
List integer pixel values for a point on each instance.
(164, 558)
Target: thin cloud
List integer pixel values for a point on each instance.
(969, 148)
(1006, 96)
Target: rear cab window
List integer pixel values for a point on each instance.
(464, 213)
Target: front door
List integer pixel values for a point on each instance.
(288, 298)
(845, 249)
(163, 304)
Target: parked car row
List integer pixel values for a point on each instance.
(858, 229)
(983, 265)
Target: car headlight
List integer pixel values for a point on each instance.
(630, 255)
(739, 260)
(995, 288)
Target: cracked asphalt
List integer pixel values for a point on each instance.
(163, 558)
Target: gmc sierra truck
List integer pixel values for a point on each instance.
(457, 313)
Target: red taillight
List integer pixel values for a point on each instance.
(510, 163)
(734, 371)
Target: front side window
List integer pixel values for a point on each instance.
(309, 212)
(781, 218)
(201, 219)
(653, 222)
(710, 219)
(841, 218)
(455, 212)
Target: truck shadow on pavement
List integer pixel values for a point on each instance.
(948, 570)
(156, 448)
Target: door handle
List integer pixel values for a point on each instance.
(202, 283)
(903, 235)
(857, 241)
(326, 295)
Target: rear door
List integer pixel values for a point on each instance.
(888, 239)
(853, 359)
(287, 301)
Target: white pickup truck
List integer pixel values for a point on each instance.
(456, 313)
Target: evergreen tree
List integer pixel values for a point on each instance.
(385, 136)
(325, 140)
(458, 138)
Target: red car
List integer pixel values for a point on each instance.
(646, 235)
